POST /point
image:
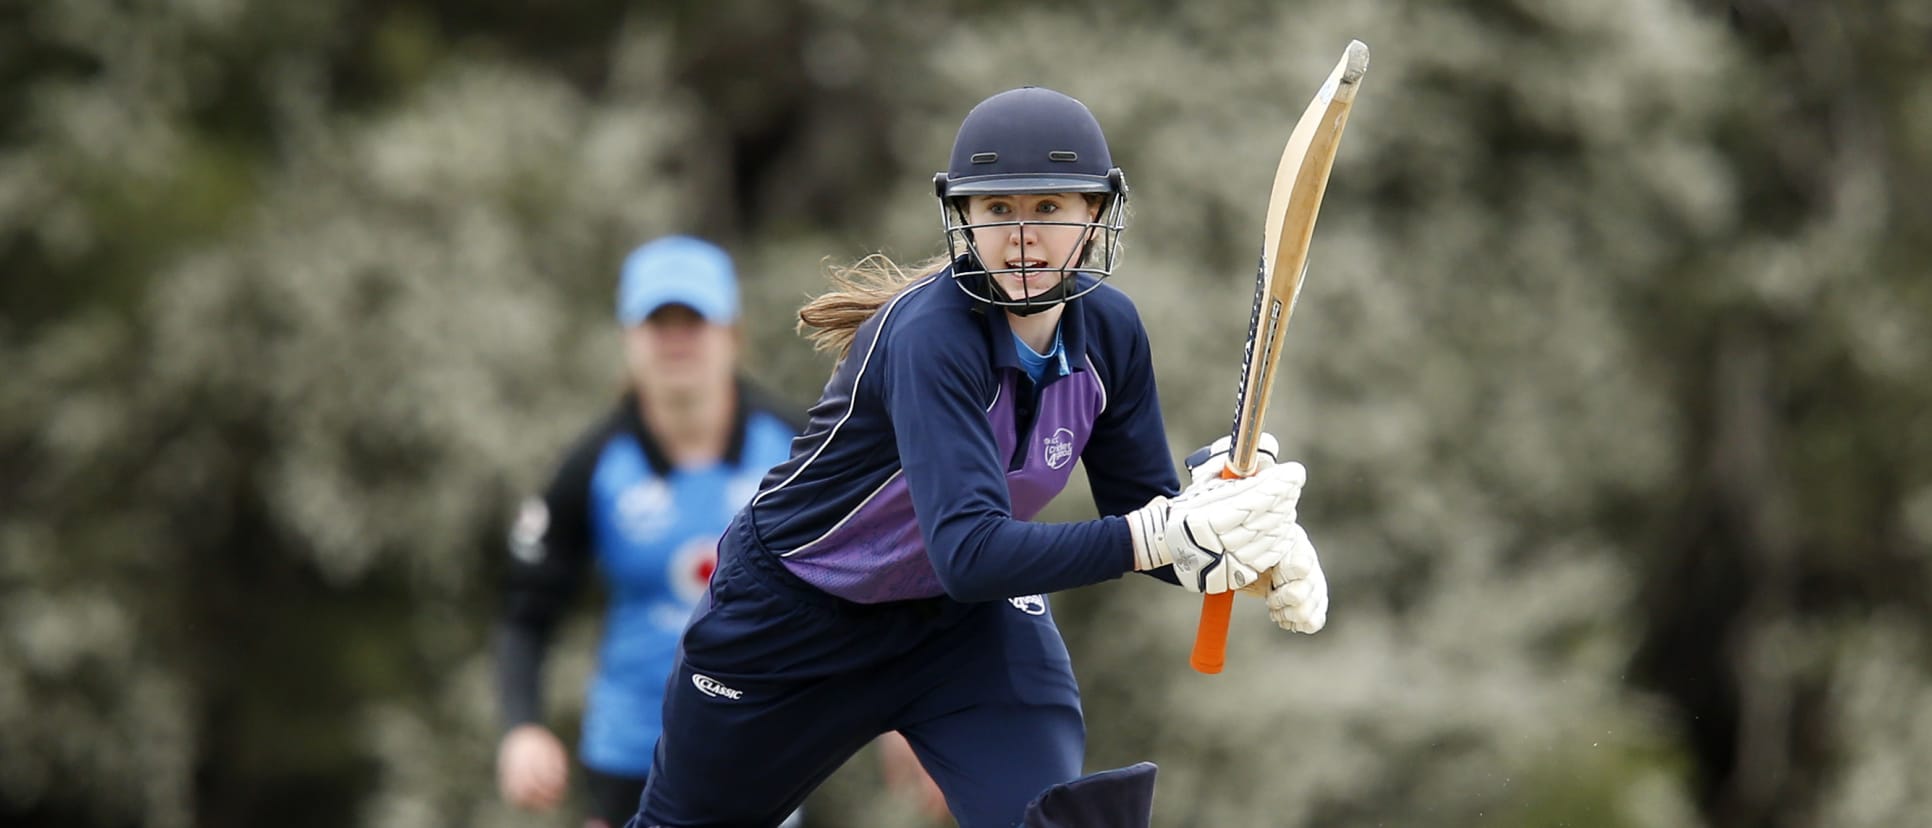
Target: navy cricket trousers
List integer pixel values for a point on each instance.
(777, 684)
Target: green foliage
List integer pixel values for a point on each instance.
(1608, 372)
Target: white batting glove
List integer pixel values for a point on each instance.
(1207, 461)
(1297, 590)
(1220, 534)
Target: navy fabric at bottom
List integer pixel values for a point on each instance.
(1118, 798)
(612, 798)
(778, 684)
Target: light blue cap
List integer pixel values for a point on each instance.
(678, 270)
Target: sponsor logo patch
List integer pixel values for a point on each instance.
(1029, 604)
(689, 570)
(1059, 448)
(714, 688)
(645, 510)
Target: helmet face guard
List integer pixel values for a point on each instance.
(1097, 253)
(1031, 141)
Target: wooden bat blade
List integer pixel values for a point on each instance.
(1301, 178)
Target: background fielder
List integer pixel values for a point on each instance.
(641, 498)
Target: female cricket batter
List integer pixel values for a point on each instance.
(887, 576)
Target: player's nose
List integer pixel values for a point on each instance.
(1022, 234)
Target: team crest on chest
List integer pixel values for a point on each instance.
(1057, 448)
(644, 510)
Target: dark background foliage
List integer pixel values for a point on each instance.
(1610, 375)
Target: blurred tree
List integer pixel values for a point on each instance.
(1609, 375)
(1804, 443)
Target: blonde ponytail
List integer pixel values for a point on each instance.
(832, 319)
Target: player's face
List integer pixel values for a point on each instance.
(675, 351)
(1041, 253)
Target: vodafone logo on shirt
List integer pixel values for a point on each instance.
(691, 567)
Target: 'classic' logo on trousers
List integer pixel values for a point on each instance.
(714, 688)
(1029, 604)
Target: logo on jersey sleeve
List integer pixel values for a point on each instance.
(1029, 604)
(1058, 448)
(526, 534)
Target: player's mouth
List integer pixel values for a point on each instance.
(1026, 264)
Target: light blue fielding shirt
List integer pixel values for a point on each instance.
(650, 528)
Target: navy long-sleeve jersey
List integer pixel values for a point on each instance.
(930, 451)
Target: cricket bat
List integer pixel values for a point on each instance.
(1300, 180)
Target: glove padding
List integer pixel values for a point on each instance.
(1207, 462)
(1220, 534)
(1296, 590)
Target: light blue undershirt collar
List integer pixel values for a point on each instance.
(1035, 362)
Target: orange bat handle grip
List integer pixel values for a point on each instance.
(1211, 638)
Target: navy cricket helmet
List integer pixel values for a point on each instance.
(1030, 141)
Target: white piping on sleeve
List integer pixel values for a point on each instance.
(852, 403)
(1097, 383)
